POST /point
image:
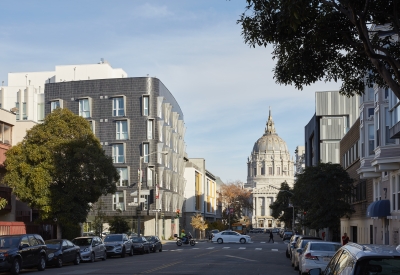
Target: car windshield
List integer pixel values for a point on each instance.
(378, 266)
(150, 238)
(324, 246)
(113, 238)
(9, 242)
(136, 239)
(53, 244)
(83, 241)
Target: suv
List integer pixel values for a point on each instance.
(92, 248)
(356, 259)
(118, 244)
(22, 251)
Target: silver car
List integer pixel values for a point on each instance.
(92, 248)
(118, 244)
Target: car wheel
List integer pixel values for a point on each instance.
(131, 251)
(242, 240)
(15, 267)
(296, 267)
(287, 254)
(105, 256)
(59, 262)
(148, 250)
(220, 241)
(160, 249)
(77, 260)
(123, 253)
(42, 263)
(92, 258)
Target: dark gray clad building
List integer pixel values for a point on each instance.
(136, 120)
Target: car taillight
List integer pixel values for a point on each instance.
(308, 256)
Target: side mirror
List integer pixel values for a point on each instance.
(175, 235)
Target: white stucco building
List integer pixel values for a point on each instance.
(267, 167)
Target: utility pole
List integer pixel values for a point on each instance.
(139, 207)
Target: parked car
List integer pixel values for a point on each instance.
(140, 245)
(155, 243)
(118, 244)
(230, 237)
(92, 248)
(60, 251)
(298, 249)
(356, 259)
(317, 255)
(290, 245)
(287, 235)
(22, 251)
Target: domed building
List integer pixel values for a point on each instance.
(268, 166)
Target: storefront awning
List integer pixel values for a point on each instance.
(379, 209)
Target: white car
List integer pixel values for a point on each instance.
(230, 237)
(317, 254)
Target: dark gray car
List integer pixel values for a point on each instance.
(92, 248)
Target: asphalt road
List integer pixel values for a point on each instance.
(258, 257)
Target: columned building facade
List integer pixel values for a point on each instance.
(268, 166)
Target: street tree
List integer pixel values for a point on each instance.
(119, 225)
(199, 223)
(234, 196)
(60, 169)
(281, 209)
(328, 40)
(323, 192)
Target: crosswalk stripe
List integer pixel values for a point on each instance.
(262, 242)
(242, 247)
(195, 248)
(274, 249)
(212, 247)
(225, 247)
(258, 248)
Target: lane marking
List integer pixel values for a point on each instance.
(240, 258)
(212, 247)
(195, 248)
(262, 242)
(227, 247)
(242, 247)
(274, 249)
(258, 248)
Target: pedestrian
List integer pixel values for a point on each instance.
(345, 239)
(271, 236)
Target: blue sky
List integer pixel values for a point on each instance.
(195, 48)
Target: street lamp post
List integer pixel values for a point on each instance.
(139, 207)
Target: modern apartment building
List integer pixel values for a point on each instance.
(24, 92)
(334, 115)
(140, 125)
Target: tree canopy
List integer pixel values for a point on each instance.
(323, 193)
(60, 168)
(281, 208)
(119, 225)
(328, 40)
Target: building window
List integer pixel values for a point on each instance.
(118, 106)
(54, 105)
(5, 133)
(17, 111)
(387, 127)
(145, 105)
(371, 139)
(84, 107)
(118, 153)
(150, 129)
(254, 172)
(278, 171)
(398, 191)
(123, 177)
(377, 136)
(361, 117)
(370, 112)
(119, 201)
(145, 152)
(40, 111)
(24, 115)
(386, 93)
(92, 125)
(270, 171)
(121, 129)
